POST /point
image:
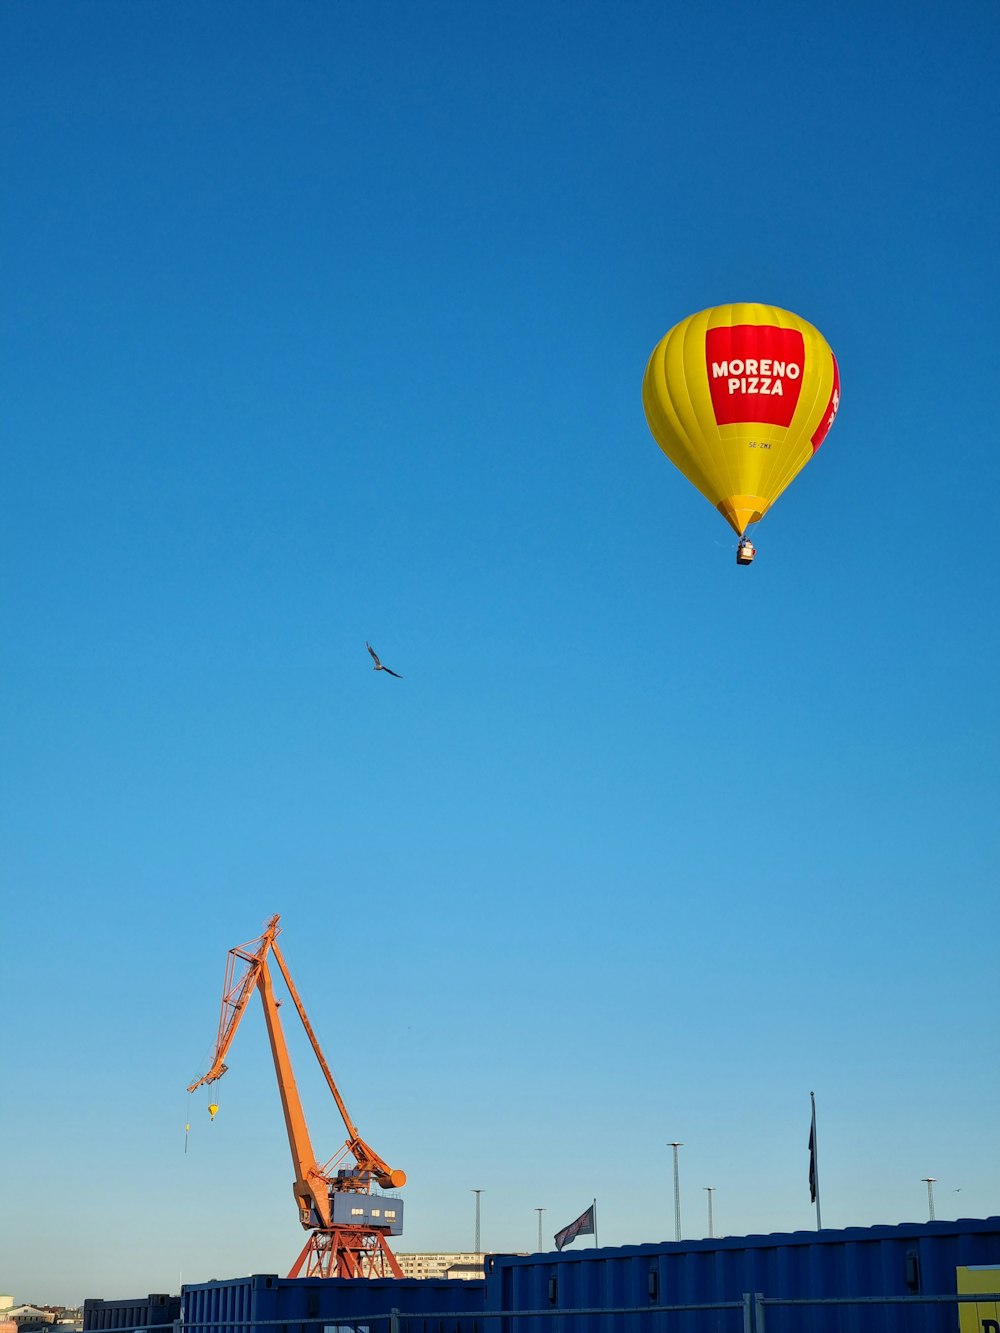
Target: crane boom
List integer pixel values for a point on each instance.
(336, 1247)
(367, 1158)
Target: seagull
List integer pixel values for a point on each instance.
(378, 665)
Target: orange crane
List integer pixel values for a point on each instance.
(347, 1223)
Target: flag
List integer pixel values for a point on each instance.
(813, 1179)
(585, 1225)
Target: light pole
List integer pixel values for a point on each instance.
(477, 1194)
(929, 1182)
(677, 1192)
(539, 1211)
(710, 1190)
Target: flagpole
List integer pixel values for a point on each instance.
(594, 1206)
(814, 1162)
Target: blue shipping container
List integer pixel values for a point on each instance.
(270, 1304)
(625, 1289)
(859, 1262)
(142, 1312)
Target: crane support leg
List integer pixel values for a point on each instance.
(346, 1252)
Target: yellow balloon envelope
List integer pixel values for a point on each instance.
(739, 398)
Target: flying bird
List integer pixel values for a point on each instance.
(378, 665)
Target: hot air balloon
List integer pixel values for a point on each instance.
(739, 398)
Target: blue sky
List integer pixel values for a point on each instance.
(326, 323)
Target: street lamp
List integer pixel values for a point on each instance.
(677, 1192)
(539, 1211)
(929, 1182)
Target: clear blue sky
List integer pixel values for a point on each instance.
(326, 322)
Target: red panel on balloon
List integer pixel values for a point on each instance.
(754, 373)
(819, 435)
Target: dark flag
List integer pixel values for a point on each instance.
(585, 1225)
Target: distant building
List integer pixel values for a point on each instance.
(462, 1266)
(466, 1272)
(27, 1318)
(6, 1301)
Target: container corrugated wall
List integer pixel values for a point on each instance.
(910, 1259)
(103, 1316)
(276, 1305)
